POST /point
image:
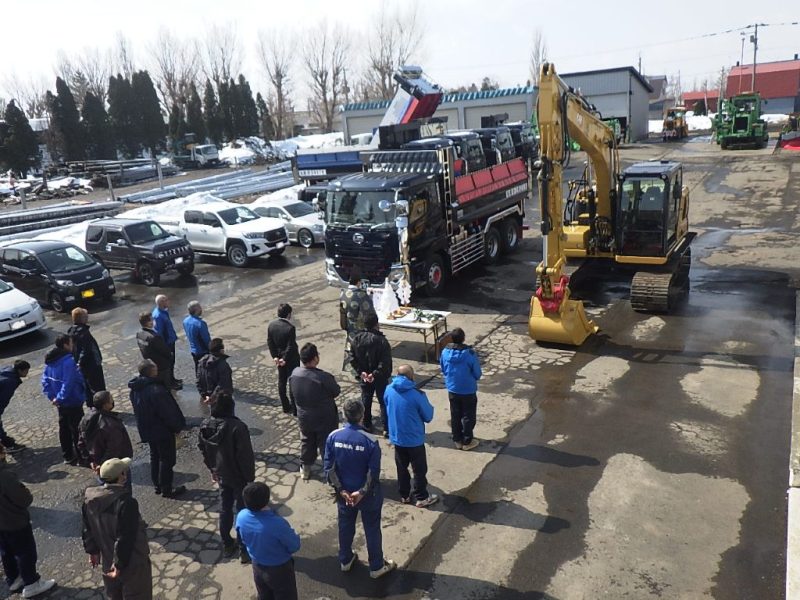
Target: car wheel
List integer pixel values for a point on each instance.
(491, 246)
(57, 303)
(305, 238)
(435, 275)
(237, 255)
(148, 274)
(510, 235)
(186, 268)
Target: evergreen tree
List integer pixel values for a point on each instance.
(20, 149)
(266, 126)
(177, 126)
(97, 129)
(123, 115)
(226, 110)
(211, 113)
(65, 122)
(148, 112)
(194, 115)
(249, 111)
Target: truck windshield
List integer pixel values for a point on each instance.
(358, 208)
(142, 233)
(240, 214)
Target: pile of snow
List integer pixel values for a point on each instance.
(237, 153)
(775, 119)
(72, 234)
(288, 147)
(698, 122)
(289, 193)
(172, 210)
(72, 183)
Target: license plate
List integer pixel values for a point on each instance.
(87, 294)
(179, 260)
(17, 325)
(280, 245)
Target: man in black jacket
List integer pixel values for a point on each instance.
(10, 379)
(86, 353)
(314, 393)
(371, 359)
(214, 375)
(115, 536)
(282, 342)
(227, 451)
(102, 434)
(159, 419)
(153, 347)
(17, 544)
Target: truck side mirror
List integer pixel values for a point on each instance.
(385, 205)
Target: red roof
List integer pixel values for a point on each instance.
(695, 96)
(773, 80)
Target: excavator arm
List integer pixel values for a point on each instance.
(563, 114)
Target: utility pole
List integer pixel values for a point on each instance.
(754, 39)
(741, 65)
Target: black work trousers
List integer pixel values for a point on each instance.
(416, 458)
(163, 456)
(18, 550)
(283, 379)
(312, 443)
(377, 388)
(228, 498)
(69, 417)
(276, 583)
(463, 408)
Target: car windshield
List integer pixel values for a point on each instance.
(299, 209)
(358, 208)
(240, 214)
(4, 287)
(63, 260)
(148, 231)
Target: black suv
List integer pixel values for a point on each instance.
(55, 273)
(141, 246)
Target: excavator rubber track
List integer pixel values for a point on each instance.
(657, 291)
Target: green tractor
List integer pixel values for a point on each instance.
(739, 124)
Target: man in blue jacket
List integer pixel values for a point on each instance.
(408, 410)
(162, 325)
(197, 333)
(63, 385)
(10, 379)
(353, 468)
(270, 541)
(461, 370)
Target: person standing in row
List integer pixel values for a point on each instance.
(462, 371)
(159, 419)
(196, 330)
(17, 544)
(371, 360)
(86, 353)
(282, 342)
(102, 434)
(271, 541)
(115, 536)
(153, 347)
(63, 385)
(10, 379)
(353, 469)
(354, 304)
(314, 392)
(162, 324)
(224, 441)
(214, 375)
(409, 409)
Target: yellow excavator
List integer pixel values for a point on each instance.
(639, 218)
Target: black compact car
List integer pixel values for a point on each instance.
(55, 273)
(141, 246)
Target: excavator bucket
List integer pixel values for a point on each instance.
(569, 325)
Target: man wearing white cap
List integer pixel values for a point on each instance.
(114, 534)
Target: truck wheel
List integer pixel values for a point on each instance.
(435, 275)
(510, 235)
(57, 303)
(305, 238)
(186, 268)
(237, 255)
(147, 274)
(491, 246)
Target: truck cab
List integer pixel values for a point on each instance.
(468, 148)
(498, 145)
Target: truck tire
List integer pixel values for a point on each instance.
(510, 235)
(186, 268)
(305, 238)
(491, 246)
(237, 255)
(435, 275)
(147, 274)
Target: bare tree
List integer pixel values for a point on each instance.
(393, 38)
(85, 72)
(276, 51)
(720, 83)
(222, 53)
(29, 94)
(538, 55)
(325, 56)
(176, 65)
(123, 57)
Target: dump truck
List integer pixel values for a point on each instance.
(790, 133)
(675, 126)
(741, 125)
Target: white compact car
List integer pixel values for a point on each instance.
(19, 313)
(303, 224)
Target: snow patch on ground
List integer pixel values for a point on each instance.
(236, 154)
(306, 142)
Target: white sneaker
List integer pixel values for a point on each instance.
(17, 585)
(347, 566)
(388, 565)
(473, 444)
(305, 472)
(40, 587)
(431, 499)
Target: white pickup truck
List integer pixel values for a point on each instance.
(228, 229)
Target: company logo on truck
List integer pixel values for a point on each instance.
(517, 189)
(358, 238)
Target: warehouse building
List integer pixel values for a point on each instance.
(621, 93)
(462, 109)
(777, 82)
